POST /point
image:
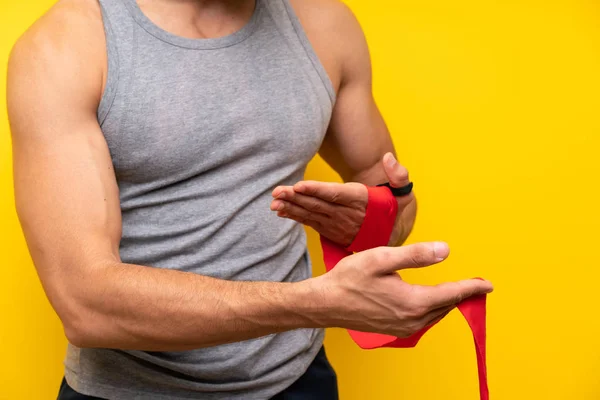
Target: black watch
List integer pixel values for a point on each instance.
(398, 192)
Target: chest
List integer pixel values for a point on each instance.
(188, 112)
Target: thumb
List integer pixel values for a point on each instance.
(386, 260)
(396, 173)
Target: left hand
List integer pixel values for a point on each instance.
(335, 210)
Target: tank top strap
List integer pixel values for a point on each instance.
(120, 47)
(291, 29)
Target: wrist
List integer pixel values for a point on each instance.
(311, 303)
(405, 221)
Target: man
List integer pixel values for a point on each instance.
(159, 150)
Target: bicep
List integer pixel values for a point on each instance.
(357, 136)
(65, 193)
(65, 190)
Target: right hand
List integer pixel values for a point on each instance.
(364, 292)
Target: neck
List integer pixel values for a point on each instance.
(199, 19)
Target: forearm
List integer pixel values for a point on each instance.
(134, 307)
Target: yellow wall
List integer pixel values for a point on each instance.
(495, 108)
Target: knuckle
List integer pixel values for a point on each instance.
(457, 298)
(422, 254)
(418, 302)
(410, 312)
(316, 205)
(418, 310)
(420, 306)
(310, 188)
(402, 172)
(382, 255)
(368, 260)
(462, 291)
(455, 294)
(367, 256)
(371, 260)
(335, 196)
(415, 260)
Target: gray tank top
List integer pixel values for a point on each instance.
(200, 131)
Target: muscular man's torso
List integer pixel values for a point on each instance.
(200, 130)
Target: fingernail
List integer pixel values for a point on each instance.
(280, 207)
(281, 195)
(441, 250)
(391, 161)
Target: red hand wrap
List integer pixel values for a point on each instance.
(375, 231)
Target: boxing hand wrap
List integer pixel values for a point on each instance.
(375, 231)
(378, 224)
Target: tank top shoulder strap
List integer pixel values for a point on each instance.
(120, 33)
(290, 27)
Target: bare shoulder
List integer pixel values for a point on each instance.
(336, 35)
(325, 13)
(65, 48)
(68, 25)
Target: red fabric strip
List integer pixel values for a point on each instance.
(375, 231)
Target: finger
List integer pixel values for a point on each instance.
(313, 204)
(396, 173)
(348, 194)
(390, 259)
(298, 213)
(452, 293)
(283, 192)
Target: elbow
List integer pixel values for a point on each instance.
(80, 311)
(75, 335)
(79, 331)
(90, 332)
(80, 322)
(86, 327)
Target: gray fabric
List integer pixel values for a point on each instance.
(200, 131)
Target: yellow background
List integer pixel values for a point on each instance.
(495, 109)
